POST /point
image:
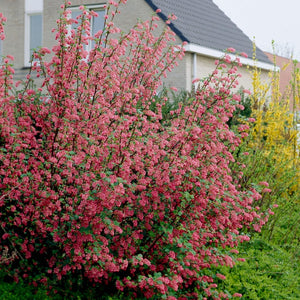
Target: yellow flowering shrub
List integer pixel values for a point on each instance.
(275, 126)
(274, 156)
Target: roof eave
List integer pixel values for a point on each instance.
(213, 53)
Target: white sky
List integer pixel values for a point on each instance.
(267, 20)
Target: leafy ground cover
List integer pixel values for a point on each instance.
(267, 271)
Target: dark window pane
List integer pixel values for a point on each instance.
(75, 14)
(97, 22)
(36, 32)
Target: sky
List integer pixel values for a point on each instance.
(267, 20)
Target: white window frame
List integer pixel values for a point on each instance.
(32, 7)
(89, 7)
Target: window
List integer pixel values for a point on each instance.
(97, 23)
(33, 28)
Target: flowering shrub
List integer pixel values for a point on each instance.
(273, 146)
(269, 160)
(96, 187)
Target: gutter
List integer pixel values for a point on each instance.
(196, 49)
(195, 72)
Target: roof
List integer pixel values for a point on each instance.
(203, 23)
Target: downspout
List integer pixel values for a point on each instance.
(194, 68)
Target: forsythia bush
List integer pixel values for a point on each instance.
(269, 264)
(97, 189)
(273, 156)
(274, 127)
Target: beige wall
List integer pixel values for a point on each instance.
(13, 10)
(206, 65)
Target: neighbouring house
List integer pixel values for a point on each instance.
(205, 28)
(287, 66)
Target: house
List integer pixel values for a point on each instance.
(289, 81)
(205, 28)
(286, 66)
